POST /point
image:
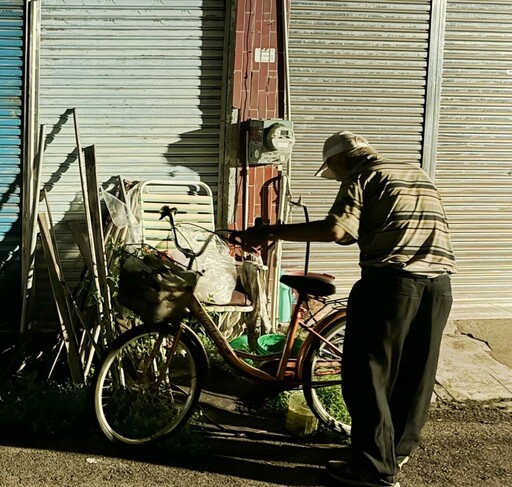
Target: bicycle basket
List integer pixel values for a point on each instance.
(155, 287)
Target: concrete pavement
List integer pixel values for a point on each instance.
(476, 355)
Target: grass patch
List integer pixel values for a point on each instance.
(32, 409)
(267, 402)
(42, 410)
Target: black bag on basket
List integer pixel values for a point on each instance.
(155, 287)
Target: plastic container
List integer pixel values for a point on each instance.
(242, 343)
(300, 420)
(285, 303)
(274, 343)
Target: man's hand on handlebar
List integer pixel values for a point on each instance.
(252, 238)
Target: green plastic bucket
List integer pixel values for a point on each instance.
(240, 343)
(274, 343)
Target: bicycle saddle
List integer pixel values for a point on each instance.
(312, 284)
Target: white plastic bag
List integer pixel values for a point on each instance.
(122, 217)
(253, 277)
(218, 281)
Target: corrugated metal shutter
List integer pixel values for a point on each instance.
(145, 77)
(474, 158)
(359, 66)
(11, 72)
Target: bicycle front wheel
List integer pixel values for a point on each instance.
(148, 384)
(322, 372)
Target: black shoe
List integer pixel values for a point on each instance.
(350, 476)
(401, 461)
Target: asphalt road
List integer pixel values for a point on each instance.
(464, 446)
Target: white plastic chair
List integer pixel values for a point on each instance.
(194, 203)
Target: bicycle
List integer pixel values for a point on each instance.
(150, 380)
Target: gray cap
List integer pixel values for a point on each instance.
(337, 143)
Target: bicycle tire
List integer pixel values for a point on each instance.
(322, 364)
(148, 384)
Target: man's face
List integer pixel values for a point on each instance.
(338, 165)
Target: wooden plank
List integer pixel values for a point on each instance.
(29, 247)
(61, 300)
(97, 223)
(99, 247)
(82, 244)
(83, 182)
(103, 306)
(70, 301)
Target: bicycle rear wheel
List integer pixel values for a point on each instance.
(148, 384)
(322, 369)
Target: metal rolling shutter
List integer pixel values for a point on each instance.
(11, 72)
(359, 66)
(145, 77)
(474, 158)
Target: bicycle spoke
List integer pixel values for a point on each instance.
(147, 386)
(322, 374)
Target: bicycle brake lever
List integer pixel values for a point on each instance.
(234, 237)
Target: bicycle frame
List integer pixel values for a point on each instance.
(290, 371)
(156, 371)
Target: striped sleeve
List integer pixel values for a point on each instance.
(347, 210)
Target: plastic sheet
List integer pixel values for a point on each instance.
(254, 277)
(123, 217)
(218, 281)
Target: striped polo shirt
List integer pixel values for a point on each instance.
(394, 212)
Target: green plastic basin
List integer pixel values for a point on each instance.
(274, 343)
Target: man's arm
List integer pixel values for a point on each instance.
(317, 231)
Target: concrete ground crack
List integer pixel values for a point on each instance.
(470, 335)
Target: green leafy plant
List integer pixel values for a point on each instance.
(32, 409)
(29, 408)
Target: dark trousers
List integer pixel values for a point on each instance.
(391, 350)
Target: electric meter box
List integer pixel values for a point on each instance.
(270, 141)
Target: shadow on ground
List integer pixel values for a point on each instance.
(232, 442)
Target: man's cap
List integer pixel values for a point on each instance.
(337, 143)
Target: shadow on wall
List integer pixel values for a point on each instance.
(10, 255)
(64, 166)
(10, 250)
(189, 162)
(180, 91)
(10, 247)
(43, 311)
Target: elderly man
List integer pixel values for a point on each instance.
(397, 310)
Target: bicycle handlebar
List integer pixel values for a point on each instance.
(168, 212)
(234, 237)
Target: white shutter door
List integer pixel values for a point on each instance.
(474, 158)
(145, 77)
(359, 66)
(12, 20)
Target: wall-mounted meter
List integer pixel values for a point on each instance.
(270, 141)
